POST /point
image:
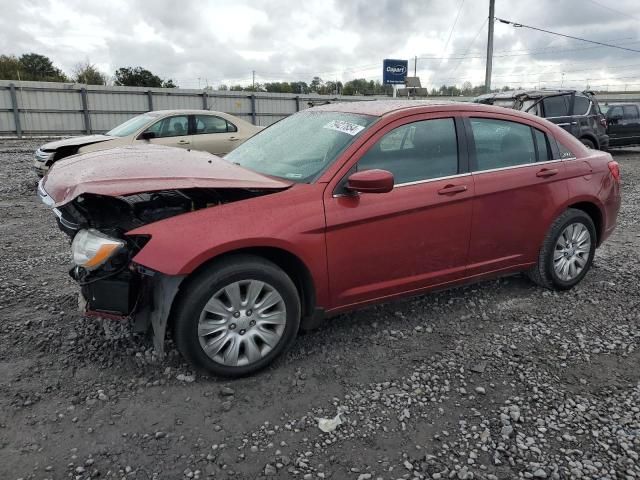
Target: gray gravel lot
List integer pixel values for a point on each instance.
(495, 380)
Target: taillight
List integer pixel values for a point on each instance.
(603, 122)
(614, 168)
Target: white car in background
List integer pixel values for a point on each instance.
(213, 132)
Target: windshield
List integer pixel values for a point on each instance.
(301, 146)
(132, 125)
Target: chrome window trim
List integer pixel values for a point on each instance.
(511, 167)
(429, 180)
(408, 184)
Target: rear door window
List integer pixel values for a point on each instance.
(556, 106)
(542, 145)
(502, 143)
(211, 124)
(615, 112)
(630, 112)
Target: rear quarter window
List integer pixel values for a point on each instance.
(565, 153)
(557, 106)
(581, 105)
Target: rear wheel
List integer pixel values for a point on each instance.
(588, 143)
(237, 316)
(567, 251)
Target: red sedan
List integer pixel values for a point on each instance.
(331, 209)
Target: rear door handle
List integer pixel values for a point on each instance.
(184, 142)
(233, 139)
(452, 189)
(547, 172)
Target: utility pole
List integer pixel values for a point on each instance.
(253, 82)
(487, 76)
(415, 66)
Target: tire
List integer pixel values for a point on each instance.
(226, 332)
(551, 256)
(588, 143)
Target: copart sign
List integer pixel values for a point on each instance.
(394, 72)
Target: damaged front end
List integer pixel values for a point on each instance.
(112, 284)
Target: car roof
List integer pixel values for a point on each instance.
(186, 111)
(379, 108)
(509, 94)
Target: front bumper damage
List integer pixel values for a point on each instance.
(42, 161)
(136, 294)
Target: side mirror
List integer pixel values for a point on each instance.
(147, 135)
(371, 181)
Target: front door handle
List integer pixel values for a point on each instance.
(452, 189)
(184, 142)
(547, 172)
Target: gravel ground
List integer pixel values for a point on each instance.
(498, 380)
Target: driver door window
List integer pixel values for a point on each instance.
(171, 131)
(171, 127)
(416, 151)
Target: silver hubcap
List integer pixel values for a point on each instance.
(242, 322)
(572, 251)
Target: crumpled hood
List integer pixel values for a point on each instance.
(76, 141)
(147, 168)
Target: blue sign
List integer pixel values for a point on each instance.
(394, 71)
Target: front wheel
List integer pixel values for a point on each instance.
(237, 316)
(567, 251)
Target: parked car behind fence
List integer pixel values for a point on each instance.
(577, 112)
(623, 120)
(213, 132)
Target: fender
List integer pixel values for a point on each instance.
(292, 220)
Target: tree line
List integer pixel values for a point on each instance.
(36, 67)
(40, 68)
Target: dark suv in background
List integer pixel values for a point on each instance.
(623, 121)
(576, 112)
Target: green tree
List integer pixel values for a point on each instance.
(278, 87)
(140, 77)
(222, 88)
(299, 87)
(316, 83)
(40, 68)
(10, 68)
(88, 74)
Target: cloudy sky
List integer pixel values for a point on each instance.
(198, 43)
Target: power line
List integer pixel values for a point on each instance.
(521, 25)
(614, 10)
(471, 44)
(455, 21)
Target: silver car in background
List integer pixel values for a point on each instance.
(213, 132)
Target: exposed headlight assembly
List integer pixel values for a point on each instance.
(91, 248)
(42, 156)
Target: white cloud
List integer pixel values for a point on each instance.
(224, 41)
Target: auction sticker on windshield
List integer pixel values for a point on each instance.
(344, 127)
